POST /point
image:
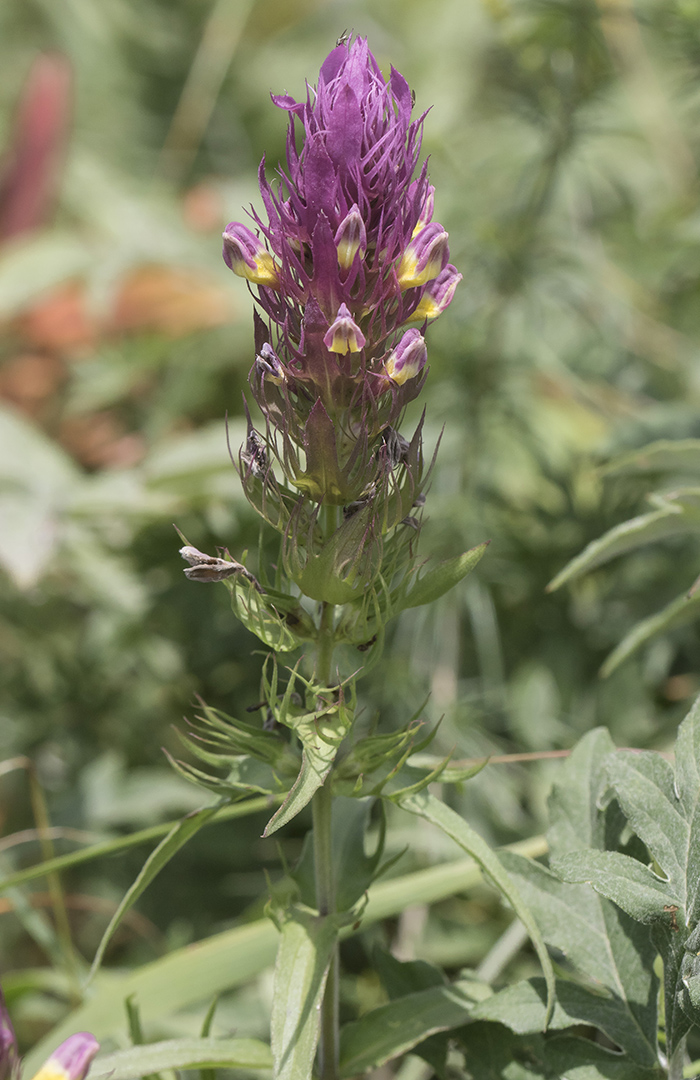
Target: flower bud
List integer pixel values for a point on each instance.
(71, 1060)
(351, 237)
(438, 295)
(426, 214)
(424, 258)
(267, 364)
(344, 335)
(247, 257)
(408, 358)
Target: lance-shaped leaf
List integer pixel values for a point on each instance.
(666, 455)
(392, 1029)
(304, 955)
(676, 515)
(682, 610)
(320, 734)
(433, 583)
(427, 806)
(182, 1054)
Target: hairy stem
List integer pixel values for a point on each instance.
(322, 810)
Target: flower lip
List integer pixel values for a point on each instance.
(438, 294)
(71, 1060)
(408, 358)
(424, 258)
(248, 257)
(344, 335)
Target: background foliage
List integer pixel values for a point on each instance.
(563, 138)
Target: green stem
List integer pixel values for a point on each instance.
(322, 810)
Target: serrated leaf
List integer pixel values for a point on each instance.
(307, 941)
(603, 944)
(674, 519)
(427, 806)
(182, 1054)
(438, 580)
(522, 1006)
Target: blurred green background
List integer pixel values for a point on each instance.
(563, 141)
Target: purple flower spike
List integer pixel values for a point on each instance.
(351, 238)
(424, 258)
(438, 295)
(71, 1060)
(246, 256)
(344, 335)
(342, 258)
(408, 358)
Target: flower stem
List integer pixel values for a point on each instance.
(322, 811)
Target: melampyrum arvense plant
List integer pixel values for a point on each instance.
(347, 268)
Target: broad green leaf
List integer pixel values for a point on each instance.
(628, 883)
(436, 581)
(675, 518)
(192, 974)
(666, 455)
(603, 944)
(307, 941)
(392, 1029)
(680, 611)
(494, 1053)
(182, 1054)
(169, 846)
(522, 1007)
(433, 810)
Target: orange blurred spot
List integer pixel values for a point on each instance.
(171, 302)
(98, 440)
(29, 379)
(203, 208)
(59, 321)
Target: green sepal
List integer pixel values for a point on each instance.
(344, 566)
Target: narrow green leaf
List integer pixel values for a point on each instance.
(182, 1054)
(320, 736)
(438, 580)
(672, 520)
(392, 1029)
(259, 615)
(117, 844)
(306, 947)
(680, 611)
(666, 455)
(432, 809)
(155, 862)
